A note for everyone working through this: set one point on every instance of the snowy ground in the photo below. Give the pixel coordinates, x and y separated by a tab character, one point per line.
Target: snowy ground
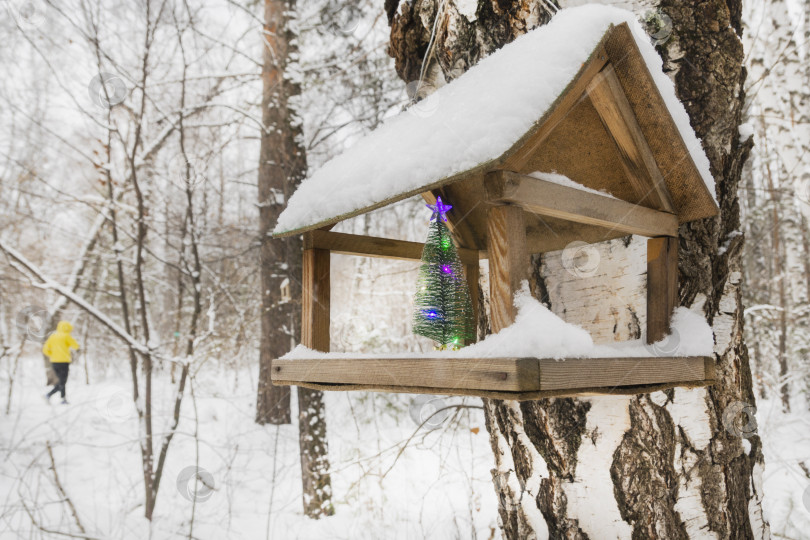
786	445
438	487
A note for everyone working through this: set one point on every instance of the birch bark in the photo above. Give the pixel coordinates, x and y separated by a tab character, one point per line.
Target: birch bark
670	464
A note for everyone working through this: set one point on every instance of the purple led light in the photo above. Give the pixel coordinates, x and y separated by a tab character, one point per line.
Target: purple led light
447	269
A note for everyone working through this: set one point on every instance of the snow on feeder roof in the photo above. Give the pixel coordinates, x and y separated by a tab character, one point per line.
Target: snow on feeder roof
583	96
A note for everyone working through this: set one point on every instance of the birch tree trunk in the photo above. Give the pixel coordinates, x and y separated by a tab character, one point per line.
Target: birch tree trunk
682	463
777	111
281	168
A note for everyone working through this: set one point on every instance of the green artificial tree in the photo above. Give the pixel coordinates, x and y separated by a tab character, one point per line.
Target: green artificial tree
443	310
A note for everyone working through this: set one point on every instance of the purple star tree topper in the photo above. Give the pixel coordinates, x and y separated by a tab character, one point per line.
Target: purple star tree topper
439	209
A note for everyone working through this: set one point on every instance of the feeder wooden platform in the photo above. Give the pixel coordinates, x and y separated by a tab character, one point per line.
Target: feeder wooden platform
500	378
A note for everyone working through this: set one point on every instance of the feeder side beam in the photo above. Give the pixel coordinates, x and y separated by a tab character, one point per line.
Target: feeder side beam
662	286
554	200
315	300
373	246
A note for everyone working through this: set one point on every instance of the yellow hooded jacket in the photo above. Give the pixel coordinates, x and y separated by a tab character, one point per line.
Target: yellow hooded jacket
58	345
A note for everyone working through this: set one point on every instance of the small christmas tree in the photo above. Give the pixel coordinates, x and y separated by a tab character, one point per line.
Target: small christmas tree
443	309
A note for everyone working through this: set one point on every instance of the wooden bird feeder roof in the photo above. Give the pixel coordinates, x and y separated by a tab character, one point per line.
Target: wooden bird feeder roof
610	129
615	130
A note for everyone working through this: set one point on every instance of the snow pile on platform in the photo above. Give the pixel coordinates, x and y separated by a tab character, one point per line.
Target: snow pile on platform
539	333
691	336
536	332
473	120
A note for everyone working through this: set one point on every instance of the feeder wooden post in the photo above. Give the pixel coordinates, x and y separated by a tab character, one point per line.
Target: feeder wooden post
662	285
472	274
317	482
508	255
315	300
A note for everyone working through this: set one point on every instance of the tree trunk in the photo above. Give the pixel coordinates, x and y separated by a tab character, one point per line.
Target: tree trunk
670	464
779	77
780	277
755	270
282	166
315	477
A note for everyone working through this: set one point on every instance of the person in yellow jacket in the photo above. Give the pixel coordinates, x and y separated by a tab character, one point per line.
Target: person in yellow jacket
57	348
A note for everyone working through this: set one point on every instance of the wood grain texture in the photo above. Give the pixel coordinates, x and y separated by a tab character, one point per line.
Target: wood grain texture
617	115
559	110
595	163
689	193
553	200
508	262
609	372
507	374
662	286
484	376
373	246
528	395
315	300
709	367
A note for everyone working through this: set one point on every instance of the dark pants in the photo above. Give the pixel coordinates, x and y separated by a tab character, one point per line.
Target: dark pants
61	370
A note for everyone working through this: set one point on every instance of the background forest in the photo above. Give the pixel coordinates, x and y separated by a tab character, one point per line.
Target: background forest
133	203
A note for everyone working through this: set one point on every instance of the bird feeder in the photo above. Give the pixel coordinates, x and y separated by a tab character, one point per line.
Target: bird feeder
611	130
